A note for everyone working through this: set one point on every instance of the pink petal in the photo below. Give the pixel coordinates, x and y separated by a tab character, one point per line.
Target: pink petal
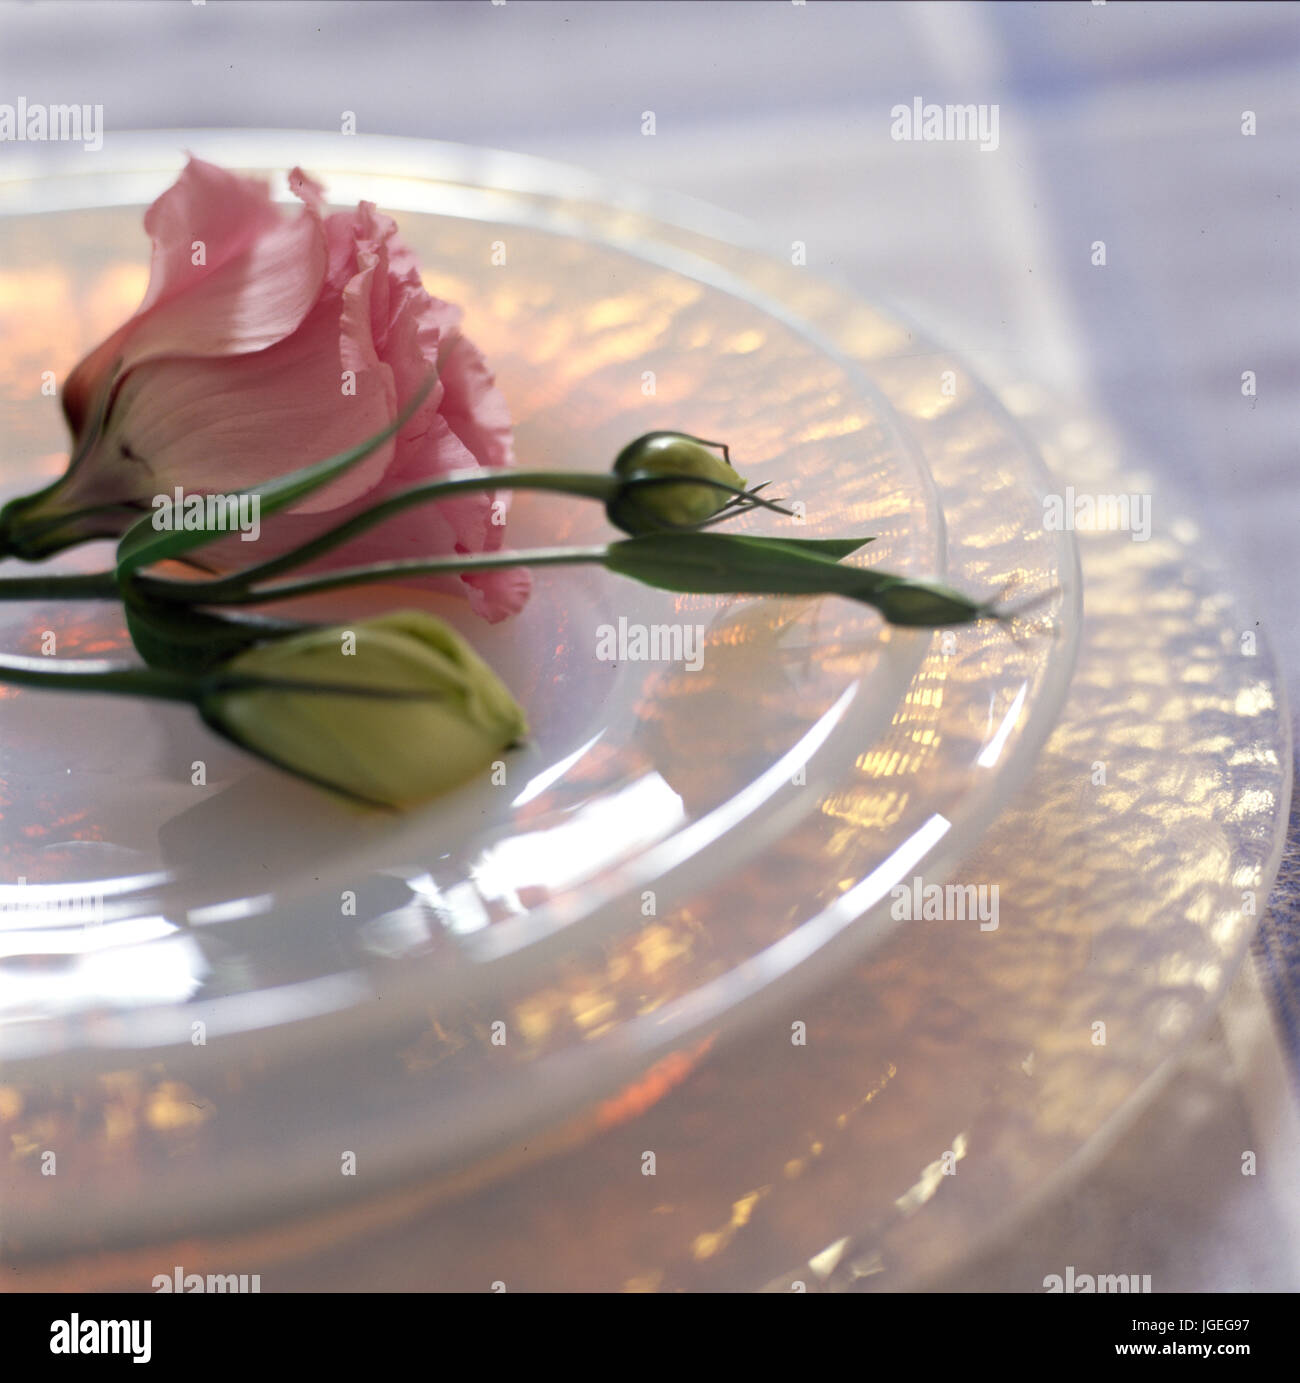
308	190
219	425
475	409
429	530
496	595
261	277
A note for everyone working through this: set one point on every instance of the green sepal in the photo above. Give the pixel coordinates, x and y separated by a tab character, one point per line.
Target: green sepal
184	639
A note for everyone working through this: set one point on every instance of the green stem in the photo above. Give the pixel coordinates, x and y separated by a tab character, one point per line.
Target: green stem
93	675
159	588
95	585
222	590
226	590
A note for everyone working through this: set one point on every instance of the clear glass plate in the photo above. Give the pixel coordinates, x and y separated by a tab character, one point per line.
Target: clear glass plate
674	852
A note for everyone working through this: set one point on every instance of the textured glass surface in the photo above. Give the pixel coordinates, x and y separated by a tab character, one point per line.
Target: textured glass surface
1125	903
770	800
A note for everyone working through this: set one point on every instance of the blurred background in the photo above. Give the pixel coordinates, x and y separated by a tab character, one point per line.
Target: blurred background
1171	132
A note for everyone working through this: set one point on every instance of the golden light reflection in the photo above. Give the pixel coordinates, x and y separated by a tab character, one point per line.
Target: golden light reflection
744	342
932	1176
49	319
707	1244
35	309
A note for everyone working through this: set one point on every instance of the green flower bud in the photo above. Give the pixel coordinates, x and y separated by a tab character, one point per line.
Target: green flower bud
923	606
654	508
408	713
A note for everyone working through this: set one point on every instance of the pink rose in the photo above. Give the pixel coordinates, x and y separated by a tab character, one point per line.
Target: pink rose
234	368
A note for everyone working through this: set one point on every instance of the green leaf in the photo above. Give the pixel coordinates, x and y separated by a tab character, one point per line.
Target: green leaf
722	563
142	544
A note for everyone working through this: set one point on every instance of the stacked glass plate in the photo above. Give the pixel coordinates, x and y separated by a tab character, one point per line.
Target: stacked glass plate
866	937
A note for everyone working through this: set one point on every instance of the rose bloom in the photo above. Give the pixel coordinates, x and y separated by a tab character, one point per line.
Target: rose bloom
292	338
